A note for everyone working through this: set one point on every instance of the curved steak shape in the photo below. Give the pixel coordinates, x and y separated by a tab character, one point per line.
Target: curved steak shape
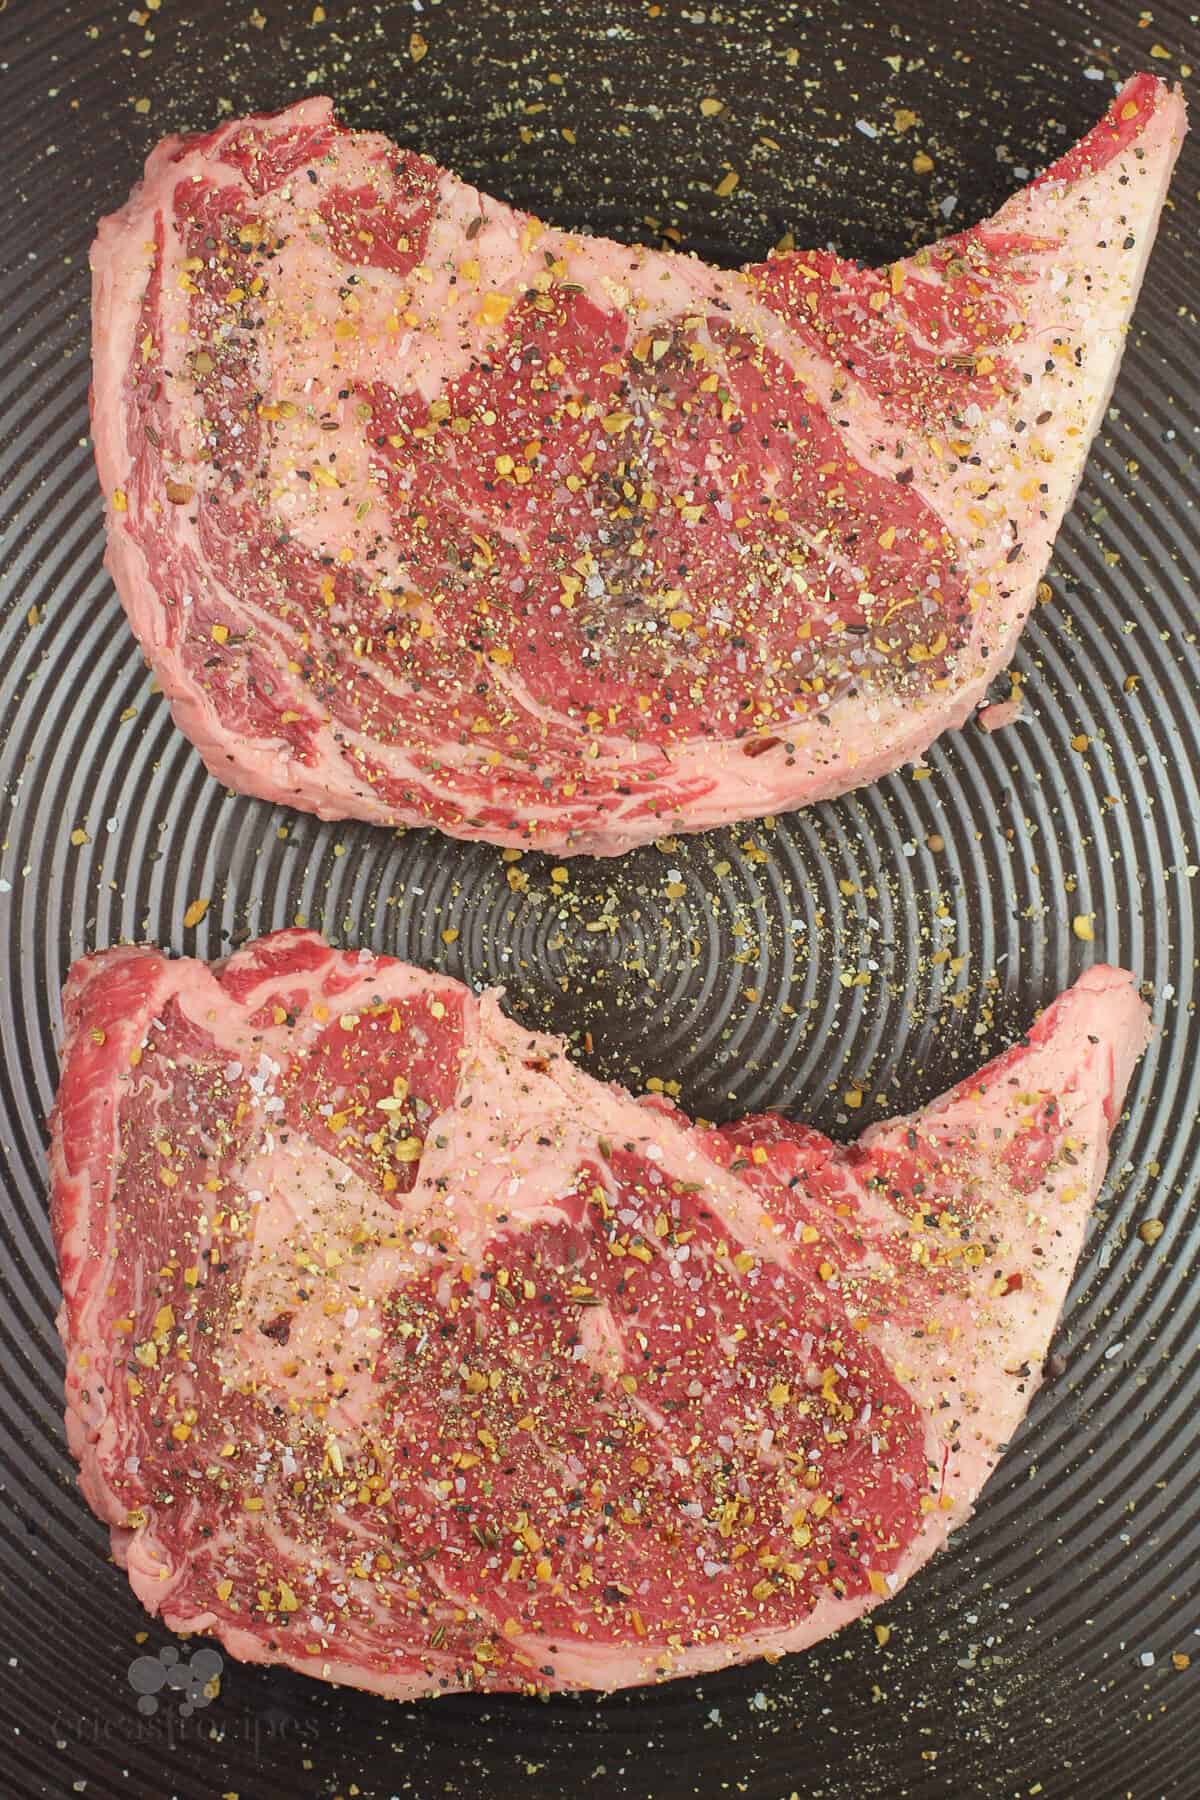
401	1351
427	513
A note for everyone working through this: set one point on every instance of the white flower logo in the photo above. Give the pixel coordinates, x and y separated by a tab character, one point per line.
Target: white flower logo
197	1680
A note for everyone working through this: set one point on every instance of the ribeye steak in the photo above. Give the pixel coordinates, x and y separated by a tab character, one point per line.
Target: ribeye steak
427	513
401	1351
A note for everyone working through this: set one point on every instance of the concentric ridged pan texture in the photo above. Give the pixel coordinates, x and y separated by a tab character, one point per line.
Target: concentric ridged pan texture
842	963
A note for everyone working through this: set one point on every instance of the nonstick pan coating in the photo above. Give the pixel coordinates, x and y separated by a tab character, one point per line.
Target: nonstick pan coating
878	946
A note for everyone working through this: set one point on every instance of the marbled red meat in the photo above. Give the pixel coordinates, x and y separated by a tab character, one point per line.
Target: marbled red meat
428	513
401	1351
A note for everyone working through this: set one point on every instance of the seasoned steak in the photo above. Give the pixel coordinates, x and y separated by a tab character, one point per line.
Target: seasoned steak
401	1351
428	513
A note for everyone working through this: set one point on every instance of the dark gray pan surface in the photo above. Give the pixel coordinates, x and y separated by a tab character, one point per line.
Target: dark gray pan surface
1023	1656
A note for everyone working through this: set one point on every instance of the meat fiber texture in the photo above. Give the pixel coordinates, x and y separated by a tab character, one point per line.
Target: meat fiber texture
401	1351
428	513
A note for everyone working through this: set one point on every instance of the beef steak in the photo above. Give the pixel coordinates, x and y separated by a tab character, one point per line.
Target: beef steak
402	1352
425	512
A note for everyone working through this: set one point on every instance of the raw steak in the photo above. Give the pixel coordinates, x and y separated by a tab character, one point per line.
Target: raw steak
427	513
401	1351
